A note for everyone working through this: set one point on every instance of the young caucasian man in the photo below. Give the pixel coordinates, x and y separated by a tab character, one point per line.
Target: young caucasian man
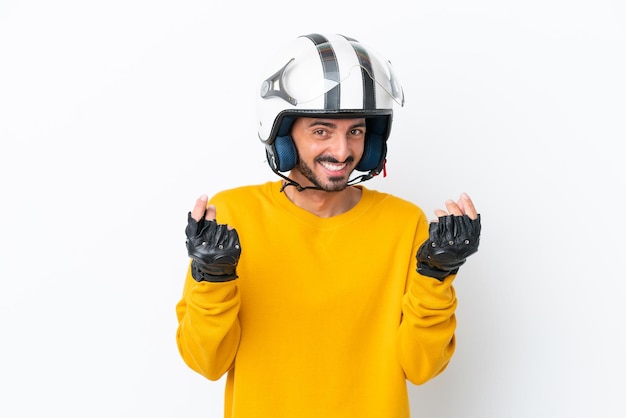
315	295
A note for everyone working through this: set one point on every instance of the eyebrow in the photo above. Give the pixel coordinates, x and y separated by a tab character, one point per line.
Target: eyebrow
316	122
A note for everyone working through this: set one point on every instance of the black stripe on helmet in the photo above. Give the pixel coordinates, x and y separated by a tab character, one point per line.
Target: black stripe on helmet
367	75
331	70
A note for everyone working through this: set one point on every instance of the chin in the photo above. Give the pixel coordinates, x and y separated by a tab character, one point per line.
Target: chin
336	185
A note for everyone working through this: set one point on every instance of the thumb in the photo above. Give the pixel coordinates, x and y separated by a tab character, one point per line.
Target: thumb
200	208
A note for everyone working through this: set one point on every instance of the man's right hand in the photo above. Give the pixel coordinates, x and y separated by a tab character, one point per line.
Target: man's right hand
214	248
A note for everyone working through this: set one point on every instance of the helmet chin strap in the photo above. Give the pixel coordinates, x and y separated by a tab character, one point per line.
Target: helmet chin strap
290	182
300	188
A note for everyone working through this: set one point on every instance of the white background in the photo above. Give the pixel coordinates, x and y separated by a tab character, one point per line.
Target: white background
116	115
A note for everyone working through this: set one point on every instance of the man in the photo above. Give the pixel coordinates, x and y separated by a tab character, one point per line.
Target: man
317	296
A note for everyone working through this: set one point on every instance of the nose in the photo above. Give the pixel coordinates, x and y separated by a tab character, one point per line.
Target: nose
340	147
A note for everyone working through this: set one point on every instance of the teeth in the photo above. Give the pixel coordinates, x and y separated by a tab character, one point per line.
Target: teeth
332	167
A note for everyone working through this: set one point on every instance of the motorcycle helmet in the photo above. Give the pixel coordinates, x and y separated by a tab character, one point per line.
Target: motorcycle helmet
321	75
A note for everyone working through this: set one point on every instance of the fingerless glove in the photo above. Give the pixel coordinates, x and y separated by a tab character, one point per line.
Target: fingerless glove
451	240
214	250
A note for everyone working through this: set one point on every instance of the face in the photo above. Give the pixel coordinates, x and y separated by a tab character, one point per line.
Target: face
328	150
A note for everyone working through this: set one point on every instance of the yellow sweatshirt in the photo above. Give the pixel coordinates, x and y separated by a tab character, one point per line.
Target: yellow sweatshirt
328	317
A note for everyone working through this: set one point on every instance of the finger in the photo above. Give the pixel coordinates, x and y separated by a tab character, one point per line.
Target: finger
439	213
453	208
199	208
468	206
460	204
211	212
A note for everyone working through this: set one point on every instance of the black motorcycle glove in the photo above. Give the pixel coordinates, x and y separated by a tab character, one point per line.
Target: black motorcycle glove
450	242
214	250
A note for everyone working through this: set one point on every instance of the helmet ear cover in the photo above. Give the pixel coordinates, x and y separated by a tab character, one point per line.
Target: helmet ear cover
283	155
375	146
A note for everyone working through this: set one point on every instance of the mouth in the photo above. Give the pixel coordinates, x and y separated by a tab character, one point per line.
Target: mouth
335	168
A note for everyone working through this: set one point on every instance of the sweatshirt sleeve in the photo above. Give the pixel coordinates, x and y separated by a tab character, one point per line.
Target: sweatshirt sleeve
426	337
208	326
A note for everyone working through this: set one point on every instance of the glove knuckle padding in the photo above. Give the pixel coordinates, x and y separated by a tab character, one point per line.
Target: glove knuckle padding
450	242
214	249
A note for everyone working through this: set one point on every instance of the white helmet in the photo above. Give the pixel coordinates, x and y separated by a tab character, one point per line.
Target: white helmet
329	76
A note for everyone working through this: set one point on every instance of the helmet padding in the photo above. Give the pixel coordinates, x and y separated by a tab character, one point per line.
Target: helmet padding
283	155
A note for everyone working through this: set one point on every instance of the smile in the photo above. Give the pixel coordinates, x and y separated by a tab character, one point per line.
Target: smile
333	167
